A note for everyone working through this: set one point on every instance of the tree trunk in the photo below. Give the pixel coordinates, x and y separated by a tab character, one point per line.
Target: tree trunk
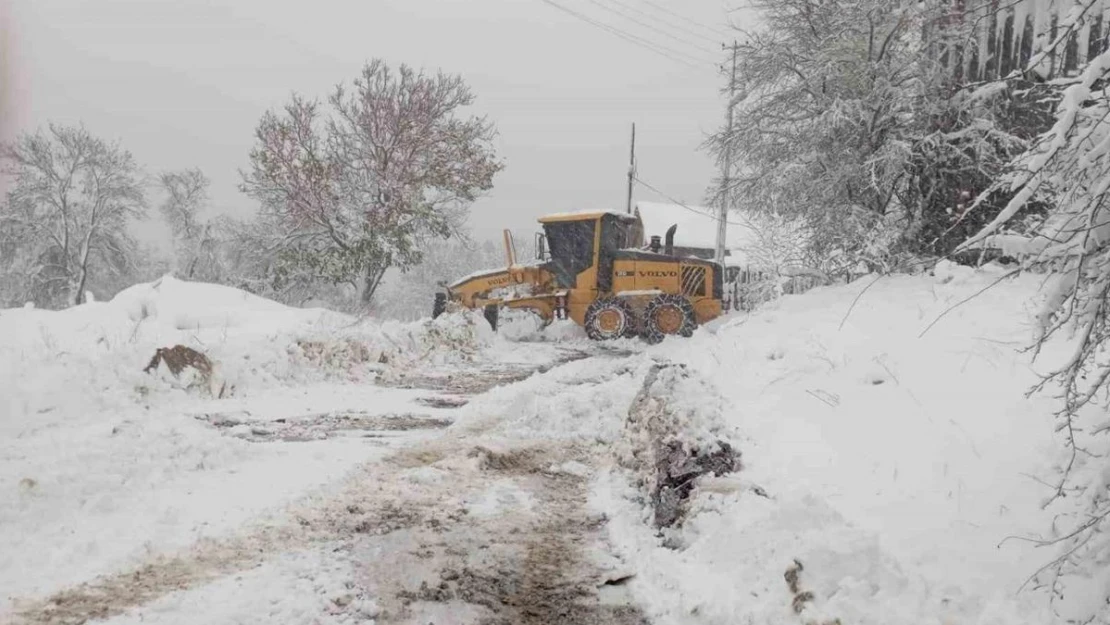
372	280
78	296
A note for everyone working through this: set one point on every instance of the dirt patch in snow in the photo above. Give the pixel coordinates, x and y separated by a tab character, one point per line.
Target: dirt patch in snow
518	566
515	461
523	565
110	596
475	380
321	426
442	402
361	509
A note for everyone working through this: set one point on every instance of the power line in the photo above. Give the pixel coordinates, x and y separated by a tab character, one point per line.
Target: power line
684	18
683	205
643	43
671	24
649	26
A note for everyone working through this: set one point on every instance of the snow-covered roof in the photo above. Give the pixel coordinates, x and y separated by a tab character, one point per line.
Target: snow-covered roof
697	226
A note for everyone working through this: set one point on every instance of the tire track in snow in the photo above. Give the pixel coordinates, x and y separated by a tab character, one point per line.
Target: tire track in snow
528	565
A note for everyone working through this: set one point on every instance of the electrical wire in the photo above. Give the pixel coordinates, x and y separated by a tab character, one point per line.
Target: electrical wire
674	25
683	205
684	18
643	43
649	26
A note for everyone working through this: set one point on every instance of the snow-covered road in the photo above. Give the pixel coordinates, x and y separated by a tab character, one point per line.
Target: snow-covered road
404	519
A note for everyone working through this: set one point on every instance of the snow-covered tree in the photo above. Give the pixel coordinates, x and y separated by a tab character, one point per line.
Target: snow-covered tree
848	116
65	219
776	243
196	241
408	294
363	187
1069	167
249	255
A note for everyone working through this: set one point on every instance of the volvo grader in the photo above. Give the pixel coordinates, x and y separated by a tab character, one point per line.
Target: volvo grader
597	269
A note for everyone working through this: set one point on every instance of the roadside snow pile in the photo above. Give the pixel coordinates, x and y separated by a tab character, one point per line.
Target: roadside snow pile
585	400
670	441
894	466
93	355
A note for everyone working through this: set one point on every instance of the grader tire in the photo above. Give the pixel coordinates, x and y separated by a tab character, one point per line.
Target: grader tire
609	318
439	306
491	313
667	315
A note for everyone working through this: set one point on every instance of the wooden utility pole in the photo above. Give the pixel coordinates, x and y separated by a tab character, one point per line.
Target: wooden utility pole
726	165
631	170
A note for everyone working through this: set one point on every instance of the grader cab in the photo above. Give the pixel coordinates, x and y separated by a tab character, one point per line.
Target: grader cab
596	269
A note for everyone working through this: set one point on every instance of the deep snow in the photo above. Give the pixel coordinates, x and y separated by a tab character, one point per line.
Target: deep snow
893	466
103	466
898	467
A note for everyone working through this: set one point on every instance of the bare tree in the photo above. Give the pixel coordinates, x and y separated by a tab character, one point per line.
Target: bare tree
362	189
69	207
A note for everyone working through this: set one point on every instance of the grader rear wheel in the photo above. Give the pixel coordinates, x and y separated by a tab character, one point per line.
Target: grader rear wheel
667	315
609	318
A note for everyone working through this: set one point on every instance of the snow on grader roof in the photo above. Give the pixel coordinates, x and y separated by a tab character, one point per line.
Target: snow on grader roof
583	214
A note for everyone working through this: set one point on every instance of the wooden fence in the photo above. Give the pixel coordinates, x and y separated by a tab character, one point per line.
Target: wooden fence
749	288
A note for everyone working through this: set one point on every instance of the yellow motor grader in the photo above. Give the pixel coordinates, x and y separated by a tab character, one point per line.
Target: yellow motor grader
595	268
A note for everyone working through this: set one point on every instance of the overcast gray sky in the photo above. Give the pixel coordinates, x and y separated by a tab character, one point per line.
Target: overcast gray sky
182	83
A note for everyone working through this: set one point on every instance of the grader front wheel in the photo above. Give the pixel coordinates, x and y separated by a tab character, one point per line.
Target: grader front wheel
609	318
439	306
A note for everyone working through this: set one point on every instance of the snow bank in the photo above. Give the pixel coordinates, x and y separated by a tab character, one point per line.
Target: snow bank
671	440
893	466
92	356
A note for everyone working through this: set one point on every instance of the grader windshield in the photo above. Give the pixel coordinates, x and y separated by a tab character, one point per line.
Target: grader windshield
572	246
572	249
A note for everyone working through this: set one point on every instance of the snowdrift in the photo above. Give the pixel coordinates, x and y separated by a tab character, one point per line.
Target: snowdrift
92	356
896	465
103	465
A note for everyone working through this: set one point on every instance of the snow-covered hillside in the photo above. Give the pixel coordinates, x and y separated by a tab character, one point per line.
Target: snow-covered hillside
898	465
